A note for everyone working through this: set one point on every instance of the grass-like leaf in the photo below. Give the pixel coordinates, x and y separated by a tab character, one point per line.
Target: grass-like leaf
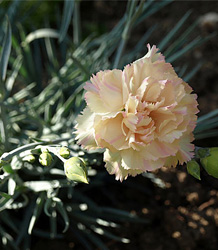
36	212
5	53
67	15
162	45
40	33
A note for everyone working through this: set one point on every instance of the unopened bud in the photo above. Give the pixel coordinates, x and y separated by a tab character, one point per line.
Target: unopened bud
76	170
29	158
64	152
210	163
45	159
193	169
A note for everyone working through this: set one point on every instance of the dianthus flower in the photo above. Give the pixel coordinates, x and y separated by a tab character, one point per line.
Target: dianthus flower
143	116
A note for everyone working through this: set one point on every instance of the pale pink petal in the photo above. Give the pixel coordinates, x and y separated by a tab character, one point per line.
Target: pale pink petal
113	166
130	121
141	90
111	131
95	103
111	90
137	160
131	105
153	91
85	129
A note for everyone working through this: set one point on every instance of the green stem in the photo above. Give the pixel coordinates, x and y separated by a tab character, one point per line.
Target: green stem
119	52
3	127
76	24
9	155
132	16
82	67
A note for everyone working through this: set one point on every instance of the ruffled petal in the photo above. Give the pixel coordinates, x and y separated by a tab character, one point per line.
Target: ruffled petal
138	161
113	166
111	90
95	103
111	131
85	129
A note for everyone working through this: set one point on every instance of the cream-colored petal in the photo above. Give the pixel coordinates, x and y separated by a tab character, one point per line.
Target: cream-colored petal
131	105
97	79
185	152
142	88
95	103
111	90
153	55
153	91
113	166
111	131
85	133
130	120
136	160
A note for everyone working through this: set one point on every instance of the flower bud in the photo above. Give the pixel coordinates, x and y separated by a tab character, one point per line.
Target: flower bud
64	152
193	169
29	158
45	159
76	170
210	163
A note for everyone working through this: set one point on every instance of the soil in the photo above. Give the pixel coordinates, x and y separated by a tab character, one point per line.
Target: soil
180	213
184	214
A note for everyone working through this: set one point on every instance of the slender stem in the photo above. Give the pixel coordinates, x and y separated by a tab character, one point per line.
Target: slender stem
3	128
82	67
3	121
119	52
9	155
76	23
55	152
132	15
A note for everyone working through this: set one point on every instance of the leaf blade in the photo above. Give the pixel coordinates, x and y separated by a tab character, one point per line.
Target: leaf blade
67	14
6	50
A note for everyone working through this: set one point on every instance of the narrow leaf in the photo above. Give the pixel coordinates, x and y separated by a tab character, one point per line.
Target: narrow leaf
10	81
36	212
172	33
6	49
40	33
67	14
208	116
62	211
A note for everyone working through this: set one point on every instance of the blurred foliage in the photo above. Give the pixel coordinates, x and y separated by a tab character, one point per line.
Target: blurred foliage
43	71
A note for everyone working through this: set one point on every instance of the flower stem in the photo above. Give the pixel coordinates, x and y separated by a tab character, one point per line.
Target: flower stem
76	24
133	13
3	128
9	155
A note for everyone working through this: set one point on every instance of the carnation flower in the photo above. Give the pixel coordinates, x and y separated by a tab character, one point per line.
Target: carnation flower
142	116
